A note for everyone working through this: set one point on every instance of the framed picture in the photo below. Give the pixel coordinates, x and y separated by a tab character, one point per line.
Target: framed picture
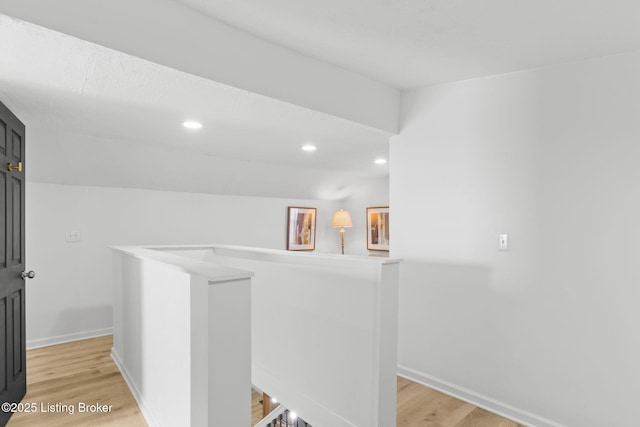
301	229
378	228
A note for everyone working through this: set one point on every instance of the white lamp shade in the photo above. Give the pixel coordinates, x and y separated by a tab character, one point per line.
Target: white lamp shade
341	219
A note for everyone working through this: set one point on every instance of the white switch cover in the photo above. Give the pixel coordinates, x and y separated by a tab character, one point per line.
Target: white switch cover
72	236
503	242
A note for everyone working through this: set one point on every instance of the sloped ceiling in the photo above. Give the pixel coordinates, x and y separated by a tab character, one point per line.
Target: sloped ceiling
338	66
96	116
410	43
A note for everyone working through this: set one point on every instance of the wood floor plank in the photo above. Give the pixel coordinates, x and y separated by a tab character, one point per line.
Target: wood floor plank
256	407
421	406
68	374
481	418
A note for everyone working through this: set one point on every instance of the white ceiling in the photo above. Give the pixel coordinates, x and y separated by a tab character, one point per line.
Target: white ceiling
409	43
67	90
72	92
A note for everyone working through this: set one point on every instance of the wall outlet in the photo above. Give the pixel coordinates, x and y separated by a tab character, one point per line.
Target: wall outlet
72	236
503	242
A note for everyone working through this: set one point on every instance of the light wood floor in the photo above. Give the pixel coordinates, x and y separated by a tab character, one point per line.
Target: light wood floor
83	371
420	406
80	371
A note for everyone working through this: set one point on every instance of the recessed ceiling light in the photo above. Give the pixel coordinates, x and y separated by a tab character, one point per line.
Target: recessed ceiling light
309	147
192	125
380	161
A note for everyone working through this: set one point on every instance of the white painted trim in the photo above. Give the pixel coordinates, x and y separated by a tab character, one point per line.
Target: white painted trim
271	416
215	273
61	339
273	255
497	407
144	408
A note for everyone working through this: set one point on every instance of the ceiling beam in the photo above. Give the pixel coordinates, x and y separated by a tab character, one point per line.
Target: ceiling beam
171	34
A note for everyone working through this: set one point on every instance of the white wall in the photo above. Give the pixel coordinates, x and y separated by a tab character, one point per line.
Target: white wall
369	193
205	312
71	296
324	331
549	329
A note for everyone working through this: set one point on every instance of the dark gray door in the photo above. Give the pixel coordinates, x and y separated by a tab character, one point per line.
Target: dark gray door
13	384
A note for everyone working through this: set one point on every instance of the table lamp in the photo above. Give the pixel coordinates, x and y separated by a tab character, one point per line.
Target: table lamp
341	219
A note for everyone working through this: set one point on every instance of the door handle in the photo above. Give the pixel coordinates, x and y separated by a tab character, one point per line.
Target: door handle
17	167
28	274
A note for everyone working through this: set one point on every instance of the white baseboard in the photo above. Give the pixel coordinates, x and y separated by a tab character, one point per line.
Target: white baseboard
518	415
144	408
61	339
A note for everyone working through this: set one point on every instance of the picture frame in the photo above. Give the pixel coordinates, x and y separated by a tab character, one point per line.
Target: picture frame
378	228
301	228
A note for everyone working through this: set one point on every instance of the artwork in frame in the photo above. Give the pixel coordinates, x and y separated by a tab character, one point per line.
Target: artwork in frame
301	229
378	228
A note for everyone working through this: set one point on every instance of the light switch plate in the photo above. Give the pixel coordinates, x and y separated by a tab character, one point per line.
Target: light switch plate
503	242
72	236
